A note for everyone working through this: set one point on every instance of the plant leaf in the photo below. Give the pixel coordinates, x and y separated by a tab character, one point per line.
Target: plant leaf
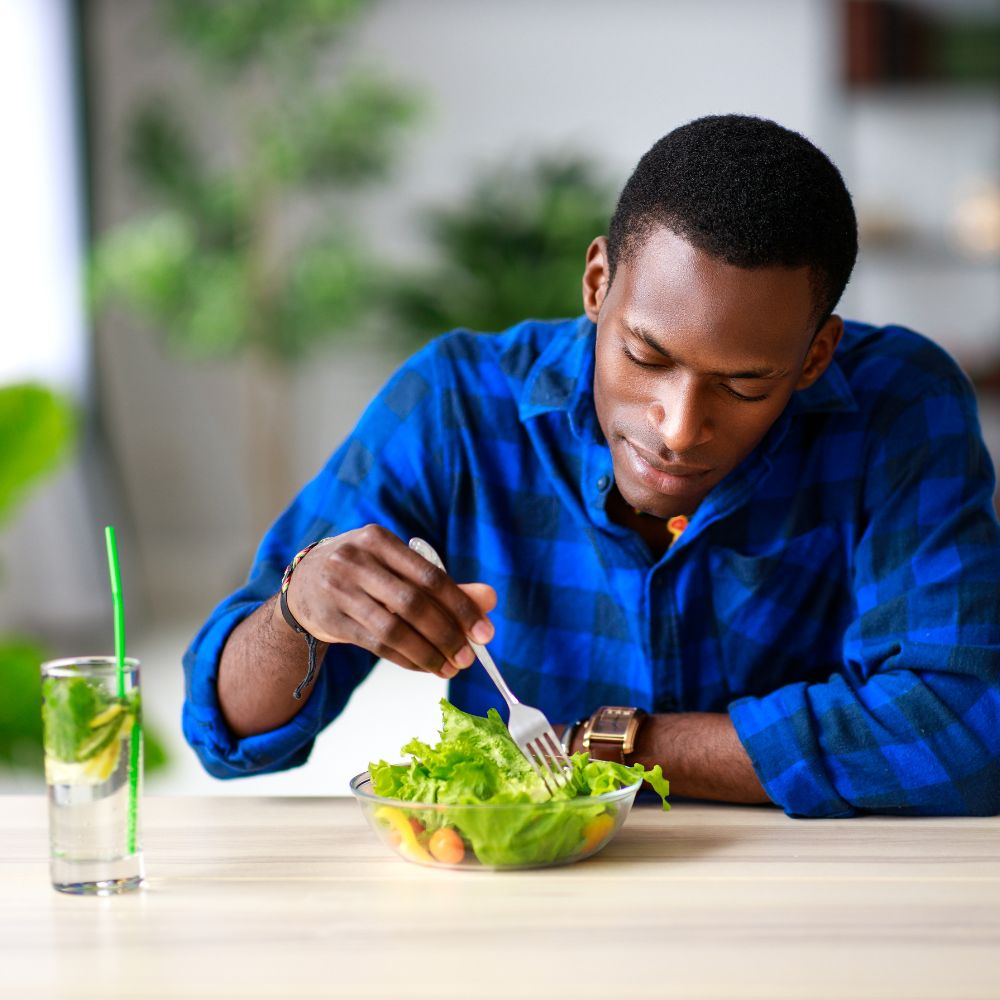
232	33
348	137
146	264
36	429
327	291
514	247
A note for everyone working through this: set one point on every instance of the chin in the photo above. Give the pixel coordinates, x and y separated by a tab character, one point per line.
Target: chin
641	498
664	499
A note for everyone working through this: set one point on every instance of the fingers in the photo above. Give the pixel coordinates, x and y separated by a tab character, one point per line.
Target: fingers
368	588
482	593
415	621
465	611
368	624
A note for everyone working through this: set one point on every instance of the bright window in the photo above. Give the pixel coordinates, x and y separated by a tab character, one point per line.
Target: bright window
42	330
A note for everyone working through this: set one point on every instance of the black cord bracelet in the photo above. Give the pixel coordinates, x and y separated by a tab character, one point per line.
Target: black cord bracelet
286	613
310	642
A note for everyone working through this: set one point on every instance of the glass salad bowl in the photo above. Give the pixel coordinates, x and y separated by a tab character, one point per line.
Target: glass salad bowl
495	836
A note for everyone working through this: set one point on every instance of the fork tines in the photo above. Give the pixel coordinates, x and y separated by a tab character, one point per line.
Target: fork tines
547	758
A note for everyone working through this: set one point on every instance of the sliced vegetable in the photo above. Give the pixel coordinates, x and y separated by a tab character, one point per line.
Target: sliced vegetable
107	715
596	831
400	824
447	846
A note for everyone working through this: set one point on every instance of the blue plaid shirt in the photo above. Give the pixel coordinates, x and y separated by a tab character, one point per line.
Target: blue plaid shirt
838	594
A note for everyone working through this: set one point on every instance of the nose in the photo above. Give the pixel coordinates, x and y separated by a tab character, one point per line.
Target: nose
680	418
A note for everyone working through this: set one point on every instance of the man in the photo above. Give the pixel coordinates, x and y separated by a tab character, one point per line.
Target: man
824	632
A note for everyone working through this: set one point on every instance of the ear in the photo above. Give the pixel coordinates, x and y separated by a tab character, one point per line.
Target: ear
595	278
820	352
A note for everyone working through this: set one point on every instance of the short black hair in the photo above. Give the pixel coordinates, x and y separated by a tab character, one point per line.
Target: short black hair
746	191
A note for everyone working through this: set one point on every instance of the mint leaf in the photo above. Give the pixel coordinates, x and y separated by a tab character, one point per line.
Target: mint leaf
69	706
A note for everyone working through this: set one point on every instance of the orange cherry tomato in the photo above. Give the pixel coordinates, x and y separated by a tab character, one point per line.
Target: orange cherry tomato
596	831
446	846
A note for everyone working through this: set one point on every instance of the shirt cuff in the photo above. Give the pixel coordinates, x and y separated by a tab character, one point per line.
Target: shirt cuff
779	734
221	753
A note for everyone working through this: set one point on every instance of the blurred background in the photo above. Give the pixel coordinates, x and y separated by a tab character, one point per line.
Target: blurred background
227	221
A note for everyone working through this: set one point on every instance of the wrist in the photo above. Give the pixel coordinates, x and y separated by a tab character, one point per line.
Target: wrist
289	605
647	750
293	622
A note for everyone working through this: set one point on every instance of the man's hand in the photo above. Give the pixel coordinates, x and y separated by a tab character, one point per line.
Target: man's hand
368	588
364	587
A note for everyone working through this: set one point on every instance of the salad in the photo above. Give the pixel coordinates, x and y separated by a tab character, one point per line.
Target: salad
476	763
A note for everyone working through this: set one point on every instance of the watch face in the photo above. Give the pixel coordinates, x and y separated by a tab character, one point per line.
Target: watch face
614	727
614	721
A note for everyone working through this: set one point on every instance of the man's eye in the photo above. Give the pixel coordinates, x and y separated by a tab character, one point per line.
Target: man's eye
741	397
653	364
642	364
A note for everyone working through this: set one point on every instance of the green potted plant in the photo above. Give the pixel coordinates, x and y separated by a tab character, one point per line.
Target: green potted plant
252	254
512	248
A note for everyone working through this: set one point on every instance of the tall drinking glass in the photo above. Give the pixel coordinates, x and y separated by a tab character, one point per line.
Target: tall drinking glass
91	723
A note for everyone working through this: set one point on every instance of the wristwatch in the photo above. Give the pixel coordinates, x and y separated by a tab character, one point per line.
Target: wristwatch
610	733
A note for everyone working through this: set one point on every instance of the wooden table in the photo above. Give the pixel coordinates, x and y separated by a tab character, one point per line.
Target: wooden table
251	897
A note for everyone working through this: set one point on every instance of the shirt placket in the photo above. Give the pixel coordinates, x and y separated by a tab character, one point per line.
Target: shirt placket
626	560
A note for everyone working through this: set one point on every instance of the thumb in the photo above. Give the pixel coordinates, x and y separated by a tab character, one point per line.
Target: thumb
482	593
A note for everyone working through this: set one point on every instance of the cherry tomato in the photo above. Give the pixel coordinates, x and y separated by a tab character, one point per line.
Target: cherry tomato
417	827
446	846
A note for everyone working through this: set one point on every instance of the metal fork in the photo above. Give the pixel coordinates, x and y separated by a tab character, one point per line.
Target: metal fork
528	727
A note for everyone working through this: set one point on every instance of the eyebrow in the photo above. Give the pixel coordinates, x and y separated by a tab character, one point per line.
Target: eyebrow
761	372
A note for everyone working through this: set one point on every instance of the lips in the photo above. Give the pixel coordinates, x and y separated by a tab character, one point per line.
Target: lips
670	478
670	468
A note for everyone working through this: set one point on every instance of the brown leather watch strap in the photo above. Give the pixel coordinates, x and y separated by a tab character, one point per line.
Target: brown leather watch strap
610	733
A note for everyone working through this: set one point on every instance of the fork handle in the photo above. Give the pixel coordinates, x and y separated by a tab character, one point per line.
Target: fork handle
491	668
426	550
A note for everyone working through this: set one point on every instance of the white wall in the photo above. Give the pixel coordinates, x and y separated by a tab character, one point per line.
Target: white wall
506	79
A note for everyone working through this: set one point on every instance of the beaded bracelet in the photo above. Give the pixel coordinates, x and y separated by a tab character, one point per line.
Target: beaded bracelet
286	613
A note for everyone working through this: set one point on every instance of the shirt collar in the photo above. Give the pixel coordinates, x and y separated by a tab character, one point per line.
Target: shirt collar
830	393
562	378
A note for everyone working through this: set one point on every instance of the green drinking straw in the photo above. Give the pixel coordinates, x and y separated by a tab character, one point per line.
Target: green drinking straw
116	599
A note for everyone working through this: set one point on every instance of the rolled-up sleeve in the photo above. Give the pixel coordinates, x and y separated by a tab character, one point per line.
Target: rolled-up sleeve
392	471
911	723
222	754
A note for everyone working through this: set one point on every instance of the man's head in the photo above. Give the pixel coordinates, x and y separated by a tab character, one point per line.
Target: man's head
713	295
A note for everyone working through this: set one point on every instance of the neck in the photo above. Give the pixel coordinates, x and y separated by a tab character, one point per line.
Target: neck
652	528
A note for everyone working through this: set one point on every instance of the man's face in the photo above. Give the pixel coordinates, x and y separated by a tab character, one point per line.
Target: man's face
696	359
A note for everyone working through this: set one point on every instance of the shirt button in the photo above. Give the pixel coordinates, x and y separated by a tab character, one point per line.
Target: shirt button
603	483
